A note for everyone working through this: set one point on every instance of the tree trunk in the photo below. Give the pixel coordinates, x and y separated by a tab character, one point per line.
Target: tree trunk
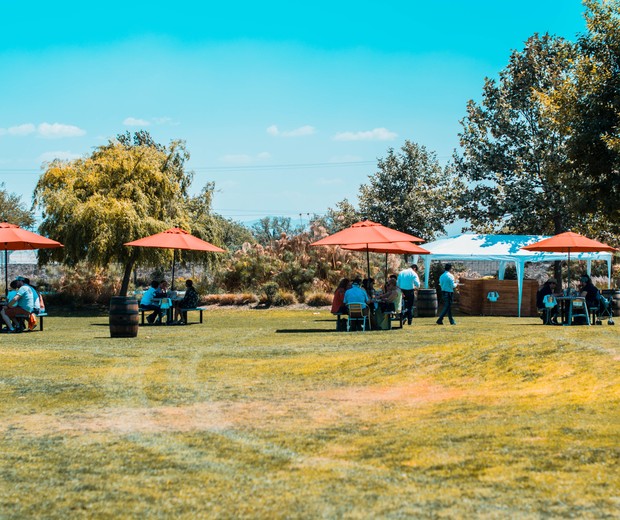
127	274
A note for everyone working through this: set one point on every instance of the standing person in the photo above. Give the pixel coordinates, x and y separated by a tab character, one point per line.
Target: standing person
21	303
189	301
147	303
408	280
446	283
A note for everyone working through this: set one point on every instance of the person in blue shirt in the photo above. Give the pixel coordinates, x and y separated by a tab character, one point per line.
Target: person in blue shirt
447	284
407	282
21	303
147	303
357	295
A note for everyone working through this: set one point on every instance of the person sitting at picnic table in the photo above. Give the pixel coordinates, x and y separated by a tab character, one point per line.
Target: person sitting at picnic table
589	291
22	303
147	303
355	294
368	284
387	303
162	290
38	305
549	315
338	306
189	301
11	294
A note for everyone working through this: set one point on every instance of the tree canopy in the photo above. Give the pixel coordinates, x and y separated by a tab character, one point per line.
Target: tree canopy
129	188
513	156
587	107
410	192
13	210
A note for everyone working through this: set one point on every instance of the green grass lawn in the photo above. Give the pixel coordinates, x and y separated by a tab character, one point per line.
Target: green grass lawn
273	414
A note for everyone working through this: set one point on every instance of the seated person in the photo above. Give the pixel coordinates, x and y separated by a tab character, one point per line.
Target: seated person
38	301
189	301
355	294
589	291
22	303
338	305
368	284
11	294
548	315
387	303
147	303
162	290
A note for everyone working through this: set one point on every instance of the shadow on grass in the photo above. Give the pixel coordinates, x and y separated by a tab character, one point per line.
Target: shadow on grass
303	331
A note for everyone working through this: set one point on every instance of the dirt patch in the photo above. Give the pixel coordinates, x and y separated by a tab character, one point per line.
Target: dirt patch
307	411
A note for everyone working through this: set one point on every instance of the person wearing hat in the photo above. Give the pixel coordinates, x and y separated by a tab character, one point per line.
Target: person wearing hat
21	303
407	282
549	314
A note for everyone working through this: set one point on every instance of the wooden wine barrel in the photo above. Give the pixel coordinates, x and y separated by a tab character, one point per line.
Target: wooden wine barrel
614	294
426	303
124	317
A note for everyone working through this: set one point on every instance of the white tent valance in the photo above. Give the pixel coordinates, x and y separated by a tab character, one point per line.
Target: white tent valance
501	248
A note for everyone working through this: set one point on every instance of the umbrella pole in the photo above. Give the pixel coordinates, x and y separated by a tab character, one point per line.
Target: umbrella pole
6	272
568	274
385	268
174	257
368	260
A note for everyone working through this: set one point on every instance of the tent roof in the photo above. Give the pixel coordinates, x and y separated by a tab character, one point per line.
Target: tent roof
467	246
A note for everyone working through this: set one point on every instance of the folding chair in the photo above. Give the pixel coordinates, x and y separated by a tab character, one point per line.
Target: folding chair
604	310
550	303
356	315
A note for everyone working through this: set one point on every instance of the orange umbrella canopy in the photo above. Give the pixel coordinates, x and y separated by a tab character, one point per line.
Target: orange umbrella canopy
397	248
366	232
569	242
176	238
14	238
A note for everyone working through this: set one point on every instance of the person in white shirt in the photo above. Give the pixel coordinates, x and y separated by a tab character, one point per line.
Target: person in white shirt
407	282
447	284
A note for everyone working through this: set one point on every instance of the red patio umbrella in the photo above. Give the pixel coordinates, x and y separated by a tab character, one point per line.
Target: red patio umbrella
14	238
175	238
396	248
364	234
569	242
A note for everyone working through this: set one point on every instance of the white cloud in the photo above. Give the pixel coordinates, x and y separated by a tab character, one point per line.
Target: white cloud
62	155
377	134
134	121
58	130
297	132
263	156
19	130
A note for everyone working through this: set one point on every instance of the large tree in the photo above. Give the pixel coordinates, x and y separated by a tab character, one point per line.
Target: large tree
410	192
587	107
513	156
129	188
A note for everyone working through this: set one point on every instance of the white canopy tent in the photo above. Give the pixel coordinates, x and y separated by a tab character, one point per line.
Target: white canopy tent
503	249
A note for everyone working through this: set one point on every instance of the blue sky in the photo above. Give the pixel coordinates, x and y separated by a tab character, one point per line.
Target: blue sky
286	106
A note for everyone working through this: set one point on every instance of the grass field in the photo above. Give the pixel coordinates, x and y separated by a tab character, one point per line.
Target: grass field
273	414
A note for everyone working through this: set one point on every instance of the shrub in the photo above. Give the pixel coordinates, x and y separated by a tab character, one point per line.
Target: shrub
319	299
284	298
270	290
246	299
230	299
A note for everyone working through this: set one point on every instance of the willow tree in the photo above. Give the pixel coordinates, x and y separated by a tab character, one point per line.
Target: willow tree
129	188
